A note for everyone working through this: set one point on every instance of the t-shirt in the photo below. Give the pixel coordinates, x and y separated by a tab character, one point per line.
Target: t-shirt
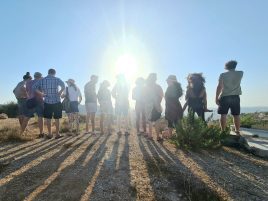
231	83
90	93
30	91
104	94
138	94
73	94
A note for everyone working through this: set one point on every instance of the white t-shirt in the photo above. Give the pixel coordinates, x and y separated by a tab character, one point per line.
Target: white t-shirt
73	94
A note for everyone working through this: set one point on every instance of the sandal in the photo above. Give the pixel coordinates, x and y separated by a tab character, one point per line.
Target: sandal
49	136
159	139
58	136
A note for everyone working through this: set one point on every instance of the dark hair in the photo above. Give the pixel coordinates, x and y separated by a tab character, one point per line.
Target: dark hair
198	83
73	85
51	71
151	79
27	76
230	65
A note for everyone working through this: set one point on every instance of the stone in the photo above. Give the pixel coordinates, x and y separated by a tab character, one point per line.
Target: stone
3	116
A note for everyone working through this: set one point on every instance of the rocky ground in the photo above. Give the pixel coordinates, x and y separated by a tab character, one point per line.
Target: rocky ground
126	167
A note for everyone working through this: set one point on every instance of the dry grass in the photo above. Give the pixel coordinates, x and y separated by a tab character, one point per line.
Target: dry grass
12	133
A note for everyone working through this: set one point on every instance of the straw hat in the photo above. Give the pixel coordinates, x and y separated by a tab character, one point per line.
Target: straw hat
172	78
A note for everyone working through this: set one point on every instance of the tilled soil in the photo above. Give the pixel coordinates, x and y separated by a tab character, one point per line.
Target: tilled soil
126	167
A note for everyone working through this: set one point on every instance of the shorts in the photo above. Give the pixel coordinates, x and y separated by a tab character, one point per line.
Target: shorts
38	110
106	107
22	107
73	107
229	102
53	110
91	107
121	109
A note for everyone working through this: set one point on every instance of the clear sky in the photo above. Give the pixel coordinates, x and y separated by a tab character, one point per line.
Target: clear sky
82	37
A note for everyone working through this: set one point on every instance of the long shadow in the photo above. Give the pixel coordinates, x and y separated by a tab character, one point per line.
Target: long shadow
26	182
8	145
228	173
75	178
162	164
21	152
114	183
18	163
23	147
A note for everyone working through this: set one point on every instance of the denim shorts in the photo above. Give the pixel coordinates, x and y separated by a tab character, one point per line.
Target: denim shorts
73	107
38	110
229	102
22	108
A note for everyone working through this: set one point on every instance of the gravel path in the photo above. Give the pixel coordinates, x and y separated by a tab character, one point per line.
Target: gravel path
126	167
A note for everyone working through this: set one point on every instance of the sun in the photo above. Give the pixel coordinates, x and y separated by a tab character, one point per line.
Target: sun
127	65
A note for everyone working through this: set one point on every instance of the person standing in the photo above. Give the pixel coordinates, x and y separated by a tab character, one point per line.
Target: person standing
154	95
228	95
138	95
91	102
75	98
196	96
37	105
120	93
173	112
48	87
21	96
106	106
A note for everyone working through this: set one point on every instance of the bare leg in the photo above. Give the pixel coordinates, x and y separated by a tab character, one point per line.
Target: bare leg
138	121
101	123
150	134
92	117
21	119
41	124
87	122
57	124
76	120
48	121
24	124
170	132
236	119
119	123
109	123
223	122
144	121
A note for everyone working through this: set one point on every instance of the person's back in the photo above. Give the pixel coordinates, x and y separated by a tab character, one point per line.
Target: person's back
231	83
90	92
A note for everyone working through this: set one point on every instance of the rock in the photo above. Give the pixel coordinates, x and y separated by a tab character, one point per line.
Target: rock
3	116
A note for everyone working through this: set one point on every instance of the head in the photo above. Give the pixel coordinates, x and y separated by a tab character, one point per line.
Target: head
94	79
152	78
37	75
231	65
27	76
140	81
52	72
171	80
196	82
70	82
105	84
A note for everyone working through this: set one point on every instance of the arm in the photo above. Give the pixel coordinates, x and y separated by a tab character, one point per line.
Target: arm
62	86
219	90
36	87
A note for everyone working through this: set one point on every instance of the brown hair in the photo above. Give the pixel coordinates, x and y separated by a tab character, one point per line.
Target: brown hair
230	65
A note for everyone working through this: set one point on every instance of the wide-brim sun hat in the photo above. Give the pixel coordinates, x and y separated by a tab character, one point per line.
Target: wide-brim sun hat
172	78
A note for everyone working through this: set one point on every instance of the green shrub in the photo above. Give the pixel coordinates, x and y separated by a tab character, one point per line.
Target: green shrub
193	133
11	109
247	120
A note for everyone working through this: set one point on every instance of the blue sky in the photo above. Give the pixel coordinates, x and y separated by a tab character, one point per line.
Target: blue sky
79	38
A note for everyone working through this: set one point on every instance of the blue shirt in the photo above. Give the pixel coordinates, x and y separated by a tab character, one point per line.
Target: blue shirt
50	87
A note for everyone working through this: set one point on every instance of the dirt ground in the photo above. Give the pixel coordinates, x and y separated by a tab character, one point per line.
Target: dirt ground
126	167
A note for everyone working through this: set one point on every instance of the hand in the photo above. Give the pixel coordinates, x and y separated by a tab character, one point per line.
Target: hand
207	110
217	101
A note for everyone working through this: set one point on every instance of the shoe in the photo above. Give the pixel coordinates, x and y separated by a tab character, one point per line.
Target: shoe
41	135
159	139
58	136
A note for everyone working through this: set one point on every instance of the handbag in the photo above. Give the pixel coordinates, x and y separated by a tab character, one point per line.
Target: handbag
66	105
31	103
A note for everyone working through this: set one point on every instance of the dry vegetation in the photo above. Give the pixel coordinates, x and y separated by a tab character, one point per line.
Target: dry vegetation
122	167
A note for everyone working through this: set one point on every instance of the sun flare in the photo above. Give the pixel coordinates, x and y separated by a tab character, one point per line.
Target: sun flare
127	65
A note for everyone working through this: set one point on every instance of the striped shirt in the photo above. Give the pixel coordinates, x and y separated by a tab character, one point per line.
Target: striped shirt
50	87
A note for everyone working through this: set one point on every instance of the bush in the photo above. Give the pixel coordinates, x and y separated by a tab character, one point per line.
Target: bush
11	109
193	133
247	120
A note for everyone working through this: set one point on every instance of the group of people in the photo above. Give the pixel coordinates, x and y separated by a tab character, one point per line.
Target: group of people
42	96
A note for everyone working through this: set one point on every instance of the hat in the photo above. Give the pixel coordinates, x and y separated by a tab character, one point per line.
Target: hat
37	74
71	81
172	78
